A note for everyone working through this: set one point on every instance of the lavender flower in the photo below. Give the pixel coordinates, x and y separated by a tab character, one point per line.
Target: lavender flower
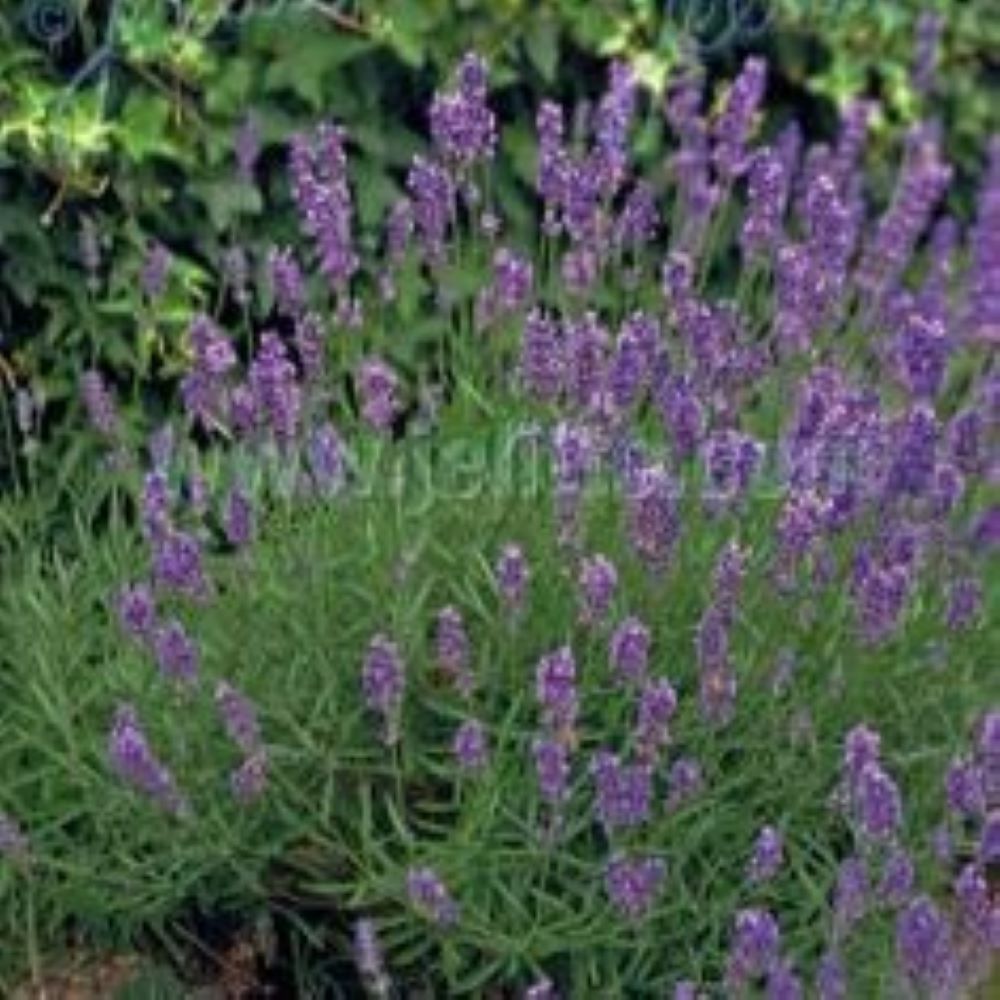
452	644
462	126
623	791
851	894
597	582
768	855
541	365
767	194
877	804
176	653
732	129
555	688
989	840
156	502
239	718
248	781
432	192
684	781
552	769
287	281
653	519
965	602
136	609
630	646
430	896
470	745
513	576
924	947
370	961
964	788
155	270
378	386
177	564
898	876
657	705
326	458
633	883
99	403
318	168
275	387
831	978
133	760
383	683
237	520
783	983
982	314
755	945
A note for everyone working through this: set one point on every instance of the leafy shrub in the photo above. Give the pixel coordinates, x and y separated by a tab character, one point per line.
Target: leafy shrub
599	613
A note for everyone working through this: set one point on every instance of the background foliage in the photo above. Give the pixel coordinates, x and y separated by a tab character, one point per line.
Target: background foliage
118	119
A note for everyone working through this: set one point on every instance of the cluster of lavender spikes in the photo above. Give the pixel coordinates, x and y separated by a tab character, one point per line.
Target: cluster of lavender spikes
873	452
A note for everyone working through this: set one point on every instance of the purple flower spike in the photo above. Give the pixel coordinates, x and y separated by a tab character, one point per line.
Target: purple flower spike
249	780
768	855
831	978
383	683
134	762
470	746
237	518
370	961
542	361
964	788
924	948
989	840
898	876
783	983
513	576
862	746
555	688
755	945
136	609
657	705
239	717
276	389
318	169
176	653
684	781
624	792
378	386
630	647
597	583
177	564
430	896
877	803
552	769
462	125
99	403
155	270
851	893
733	127
452	643
633	883
653	520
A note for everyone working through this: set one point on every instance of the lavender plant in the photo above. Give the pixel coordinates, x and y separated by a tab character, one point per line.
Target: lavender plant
505	542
